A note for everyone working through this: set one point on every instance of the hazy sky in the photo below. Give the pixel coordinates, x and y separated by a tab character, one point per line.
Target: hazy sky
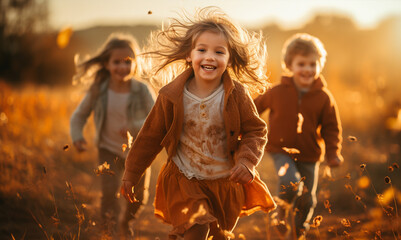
288	13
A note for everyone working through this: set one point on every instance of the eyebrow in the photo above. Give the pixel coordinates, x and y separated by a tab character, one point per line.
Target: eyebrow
205	45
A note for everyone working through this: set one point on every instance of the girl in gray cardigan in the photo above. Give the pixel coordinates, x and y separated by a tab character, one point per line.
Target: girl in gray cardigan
120	104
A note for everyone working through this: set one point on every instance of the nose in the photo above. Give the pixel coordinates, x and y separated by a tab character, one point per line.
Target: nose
209	56
309	68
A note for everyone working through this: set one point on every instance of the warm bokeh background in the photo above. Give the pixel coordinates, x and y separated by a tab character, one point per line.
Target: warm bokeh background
48	190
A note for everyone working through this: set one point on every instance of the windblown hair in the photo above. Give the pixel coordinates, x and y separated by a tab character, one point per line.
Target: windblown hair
168	49
302	44
93	71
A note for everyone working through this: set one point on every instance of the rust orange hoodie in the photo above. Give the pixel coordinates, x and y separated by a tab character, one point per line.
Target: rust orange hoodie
307	123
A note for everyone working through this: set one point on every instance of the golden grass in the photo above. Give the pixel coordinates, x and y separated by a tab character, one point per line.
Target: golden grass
49	191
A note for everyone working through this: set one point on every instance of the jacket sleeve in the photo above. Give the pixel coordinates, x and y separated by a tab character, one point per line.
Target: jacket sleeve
253	134
79	117
147	144
147	98
331	128
263	101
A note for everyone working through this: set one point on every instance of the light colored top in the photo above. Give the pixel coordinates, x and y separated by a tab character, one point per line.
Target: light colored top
116	120
202	149
138	106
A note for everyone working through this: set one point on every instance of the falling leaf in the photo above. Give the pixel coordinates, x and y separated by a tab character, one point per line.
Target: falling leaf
390	168
185	210
363	182
291	150
348	186
104	169
300	123
294	185
66	147
283	170
358	198
317	220
362	166
395	165
327	205
124	147
241	236
352	139
387	179
345	222
63	37
149	12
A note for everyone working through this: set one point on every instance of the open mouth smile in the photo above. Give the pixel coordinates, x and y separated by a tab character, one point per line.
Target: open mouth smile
208	67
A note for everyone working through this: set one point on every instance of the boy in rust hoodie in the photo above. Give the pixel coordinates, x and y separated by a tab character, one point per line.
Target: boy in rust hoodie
303	115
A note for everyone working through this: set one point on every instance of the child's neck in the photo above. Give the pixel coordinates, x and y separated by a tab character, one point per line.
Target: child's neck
202	89
120	86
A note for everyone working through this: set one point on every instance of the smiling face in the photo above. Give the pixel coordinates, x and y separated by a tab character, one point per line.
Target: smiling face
120	64
209	57
305	69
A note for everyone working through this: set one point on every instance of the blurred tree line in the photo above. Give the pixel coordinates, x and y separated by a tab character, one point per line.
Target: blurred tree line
358	59
20	23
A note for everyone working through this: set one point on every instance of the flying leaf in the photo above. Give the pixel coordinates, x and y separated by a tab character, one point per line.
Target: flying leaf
63	37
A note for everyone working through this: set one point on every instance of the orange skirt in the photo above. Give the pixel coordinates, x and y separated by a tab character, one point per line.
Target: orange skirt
184	202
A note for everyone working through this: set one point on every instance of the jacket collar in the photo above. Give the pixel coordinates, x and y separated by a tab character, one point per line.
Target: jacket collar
174	90
318	84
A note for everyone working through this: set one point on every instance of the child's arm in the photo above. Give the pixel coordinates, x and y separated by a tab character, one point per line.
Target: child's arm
253	137
145	147
264	101
78	120
332	132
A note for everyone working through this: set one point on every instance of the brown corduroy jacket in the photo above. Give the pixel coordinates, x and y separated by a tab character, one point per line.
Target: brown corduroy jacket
320	123
246	131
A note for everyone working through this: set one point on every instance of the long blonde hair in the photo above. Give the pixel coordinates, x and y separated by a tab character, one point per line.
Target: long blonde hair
93	71
167	49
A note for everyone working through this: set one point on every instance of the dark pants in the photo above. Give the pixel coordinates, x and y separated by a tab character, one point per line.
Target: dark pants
110	205
303	195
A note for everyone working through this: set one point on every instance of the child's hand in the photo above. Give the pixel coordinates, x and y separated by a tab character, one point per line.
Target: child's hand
334	162
80	145
127	190
240	174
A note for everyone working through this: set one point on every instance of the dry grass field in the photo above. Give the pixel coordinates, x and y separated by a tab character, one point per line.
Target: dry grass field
49	191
